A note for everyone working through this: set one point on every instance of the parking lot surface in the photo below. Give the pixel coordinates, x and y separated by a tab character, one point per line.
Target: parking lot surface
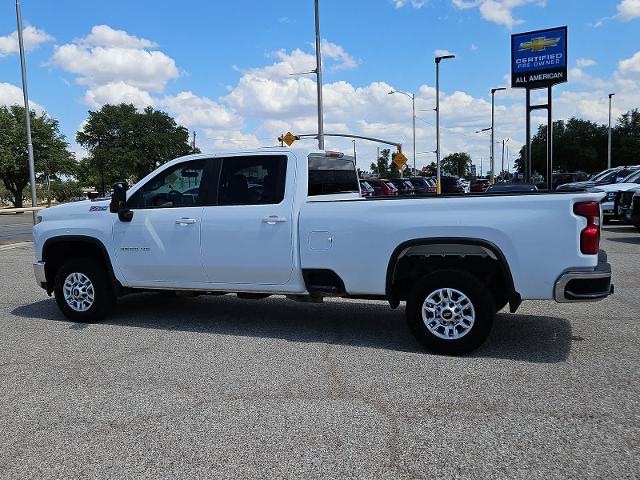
217	387
15	228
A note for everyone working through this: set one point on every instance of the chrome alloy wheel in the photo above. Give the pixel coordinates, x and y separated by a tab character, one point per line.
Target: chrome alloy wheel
448	313
78	292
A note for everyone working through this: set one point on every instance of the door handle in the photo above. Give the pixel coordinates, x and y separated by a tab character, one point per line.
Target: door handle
185	221
273	219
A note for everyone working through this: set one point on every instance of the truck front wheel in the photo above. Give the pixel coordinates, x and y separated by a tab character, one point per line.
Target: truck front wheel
450	312
82	290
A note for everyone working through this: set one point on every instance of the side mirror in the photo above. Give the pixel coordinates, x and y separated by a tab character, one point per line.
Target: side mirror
119	202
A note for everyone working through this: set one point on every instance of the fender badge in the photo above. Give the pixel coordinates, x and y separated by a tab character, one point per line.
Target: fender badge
98	208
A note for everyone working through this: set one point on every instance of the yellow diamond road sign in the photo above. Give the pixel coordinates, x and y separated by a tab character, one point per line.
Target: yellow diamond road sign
289	138
399	159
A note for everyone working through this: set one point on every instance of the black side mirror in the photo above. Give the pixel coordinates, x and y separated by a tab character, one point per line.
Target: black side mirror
119	202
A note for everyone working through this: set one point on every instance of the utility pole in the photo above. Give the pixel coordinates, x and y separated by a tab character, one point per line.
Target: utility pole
609	149
355	155
438	60
27	112
493	108
193	144
412	96
319	80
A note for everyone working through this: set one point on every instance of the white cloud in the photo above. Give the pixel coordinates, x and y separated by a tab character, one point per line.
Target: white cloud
107	56
32	37
413	3
105	36
12	95
497	11
117	92
441	52
628	9
194	111
585	62
337	53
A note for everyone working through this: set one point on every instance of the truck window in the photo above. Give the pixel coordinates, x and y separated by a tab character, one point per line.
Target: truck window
255	180
177	186
329	175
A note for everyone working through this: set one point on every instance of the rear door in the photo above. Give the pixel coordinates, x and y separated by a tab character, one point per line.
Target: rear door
247	237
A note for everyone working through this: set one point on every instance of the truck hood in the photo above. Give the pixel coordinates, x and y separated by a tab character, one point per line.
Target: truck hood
84	208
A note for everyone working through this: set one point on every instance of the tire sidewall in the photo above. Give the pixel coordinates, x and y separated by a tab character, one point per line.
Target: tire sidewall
479	295
103	294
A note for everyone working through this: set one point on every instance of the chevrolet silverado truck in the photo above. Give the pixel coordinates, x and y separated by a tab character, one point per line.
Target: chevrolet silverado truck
286	222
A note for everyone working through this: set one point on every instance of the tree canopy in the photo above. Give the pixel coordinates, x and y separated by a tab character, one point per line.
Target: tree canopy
50	150
458	164
383	167
125	144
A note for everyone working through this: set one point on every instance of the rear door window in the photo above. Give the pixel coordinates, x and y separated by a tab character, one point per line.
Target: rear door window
252	180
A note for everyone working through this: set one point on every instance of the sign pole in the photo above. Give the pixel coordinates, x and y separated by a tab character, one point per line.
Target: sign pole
27	112
527	164
549	140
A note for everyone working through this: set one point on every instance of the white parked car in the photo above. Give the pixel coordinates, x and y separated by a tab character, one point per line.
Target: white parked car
293	223
609	202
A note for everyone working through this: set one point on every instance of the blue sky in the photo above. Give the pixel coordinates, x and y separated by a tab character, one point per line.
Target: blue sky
222	68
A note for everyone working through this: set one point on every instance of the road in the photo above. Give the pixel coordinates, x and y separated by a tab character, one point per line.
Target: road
217	387
15	228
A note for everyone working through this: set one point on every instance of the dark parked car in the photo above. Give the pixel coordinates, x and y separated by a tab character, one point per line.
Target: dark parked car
608	177
382	187
635	210
404	186
478	185
565	178
511	188
450	185
366	190
423	185
624	204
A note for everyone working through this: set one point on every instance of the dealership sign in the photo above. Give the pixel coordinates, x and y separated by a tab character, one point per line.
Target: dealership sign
539	59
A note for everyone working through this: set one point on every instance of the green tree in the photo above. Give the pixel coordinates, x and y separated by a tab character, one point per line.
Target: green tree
125	144
50	150
625	143
458	164
429	170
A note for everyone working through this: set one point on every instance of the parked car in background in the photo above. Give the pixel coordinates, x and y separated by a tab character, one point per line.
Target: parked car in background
404	186
423	185
366	190
382	187
612	175
450	185
479	185
624	204
635	210
511	188
565	178
609	204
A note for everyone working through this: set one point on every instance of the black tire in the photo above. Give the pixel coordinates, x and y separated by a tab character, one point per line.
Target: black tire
479	296
103	296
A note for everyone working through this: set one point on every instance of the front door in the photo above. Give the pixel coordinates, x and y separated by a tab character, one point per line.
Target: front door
247	238
161	245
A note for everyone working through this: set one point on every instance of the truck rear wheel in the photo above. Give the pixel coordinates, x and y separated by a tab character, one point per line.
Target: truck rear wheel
82	290
450	312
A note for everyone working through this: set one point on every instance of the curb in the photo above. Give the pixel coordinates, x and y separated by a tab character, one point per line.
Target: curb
12	246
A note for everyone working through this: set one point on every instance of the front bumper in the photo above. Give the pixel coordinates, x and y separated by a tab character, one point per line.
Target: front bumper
41	278
585	286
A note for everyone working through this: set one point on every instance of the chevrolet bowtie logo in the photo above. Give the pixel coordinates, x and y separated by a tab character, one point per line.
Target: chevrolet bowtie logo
539	44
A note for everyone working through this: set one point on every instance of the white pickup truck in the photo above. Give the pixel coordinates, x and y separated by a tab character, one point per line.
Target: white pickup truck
285	222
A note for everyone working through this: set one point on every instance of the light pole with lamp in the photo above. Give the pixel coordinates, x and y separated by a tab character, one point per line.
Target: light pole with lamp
412	96
609	144
490	148
438	60
493	108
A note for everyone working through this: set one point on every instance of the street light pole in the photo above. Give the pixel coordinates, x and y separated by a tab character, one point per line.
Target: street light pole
438	60
27	112
319	80
493	108
609	145
412	96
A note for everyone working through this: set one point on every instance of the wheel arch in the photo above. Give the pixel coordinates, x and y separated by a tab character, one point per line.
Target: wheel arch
451	247
56	250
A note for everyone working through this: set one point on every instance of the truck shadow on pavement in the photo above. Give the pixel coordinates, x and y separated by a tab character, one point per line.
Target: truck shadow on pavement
528	338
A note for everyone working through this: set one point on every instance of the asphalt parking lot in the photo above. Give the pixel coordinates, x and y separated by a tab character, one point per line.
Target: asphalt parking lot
217	387
15	228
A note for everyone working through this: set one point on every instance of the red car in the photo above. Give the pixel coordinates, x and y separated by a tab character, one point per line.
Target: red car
382	187
479	185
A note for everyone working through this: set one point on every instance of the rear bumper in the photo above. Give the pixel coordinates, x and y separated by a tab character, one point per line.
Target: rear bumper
585	286
41	278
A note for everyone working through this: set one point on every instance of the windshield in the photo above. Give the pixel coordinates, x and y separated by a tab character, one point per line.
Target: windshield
603	175
633	178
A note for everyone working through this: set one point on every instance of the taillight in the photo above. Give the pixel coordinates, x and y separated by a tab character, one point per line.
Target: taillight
590	235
